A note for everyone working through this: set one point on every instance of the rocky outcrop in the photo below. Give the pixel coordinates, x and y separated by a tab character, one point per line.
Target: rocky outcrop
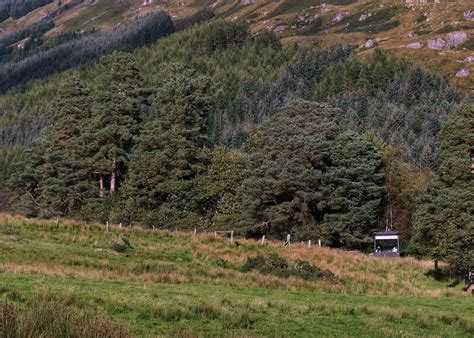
469	60
469	15
364	17
369	43
463	73
338	17
456	38
414	45
280	28
437	43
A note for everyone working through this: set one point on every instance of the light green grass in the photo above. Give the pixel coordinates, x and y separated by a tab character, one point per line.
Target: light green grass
174	284
152	309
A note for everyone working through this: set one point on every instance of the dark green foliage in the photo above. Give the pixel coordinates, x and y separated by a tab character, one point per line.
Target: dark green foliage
76	52
170	152
272	264
444	223
275	265
404	106
356	180
8	157
54	177
307	180
110	131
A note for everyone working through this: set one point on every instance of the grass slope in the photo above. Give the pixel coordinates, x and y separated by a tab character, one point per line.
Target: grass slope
177	284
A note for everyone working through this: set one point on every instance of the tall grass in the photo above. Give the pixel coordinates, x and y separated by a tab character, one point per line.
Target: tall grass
47	316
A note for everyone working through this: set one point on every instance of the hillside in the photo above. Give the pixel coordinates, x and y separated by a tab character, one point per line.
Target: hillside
437	36
177	284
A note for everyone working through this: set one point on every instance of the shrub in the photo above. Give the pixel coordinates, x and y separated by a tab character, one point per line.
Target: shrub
275	265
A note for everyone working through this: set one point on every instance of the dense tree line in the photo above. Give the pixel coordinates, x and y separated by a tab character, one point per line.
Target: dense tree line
17	8
34	30
127	36
228	135
256	77
35	41
108	157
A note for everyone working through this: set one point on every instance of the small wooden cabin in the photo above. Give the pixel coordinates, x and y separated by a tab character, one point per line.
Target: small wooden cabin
387	244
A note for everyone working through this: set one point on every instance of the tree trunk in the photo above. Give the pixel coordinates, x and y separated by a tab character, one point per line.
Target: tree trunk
113	178
101	186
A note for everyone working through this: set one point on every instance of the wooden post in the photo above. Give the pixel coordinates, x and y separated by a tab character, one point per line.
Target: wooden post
232	236
194	233
309	244
120	225
153	227
57	222
107	226
263	239
319	243
215	234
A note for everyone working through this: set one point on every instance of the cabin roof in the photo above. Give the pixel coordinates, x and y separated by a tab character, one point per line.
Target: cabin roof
387	233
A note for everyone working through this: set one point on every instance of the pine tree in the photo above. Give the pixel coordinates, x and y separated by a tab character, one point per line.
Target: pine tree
288	158
55	178
169	154
355	191
109	133
444	222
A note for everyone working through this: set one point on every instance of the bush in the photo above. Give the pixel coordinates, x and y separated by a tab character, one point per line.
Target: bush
275	265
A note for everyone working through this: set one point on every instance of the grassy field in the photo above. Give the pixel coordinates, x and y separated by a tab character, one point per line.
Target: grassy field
174	284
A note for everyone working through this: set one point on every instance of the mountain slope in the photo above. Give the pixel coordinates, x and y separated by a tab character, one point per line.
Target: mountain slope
435	35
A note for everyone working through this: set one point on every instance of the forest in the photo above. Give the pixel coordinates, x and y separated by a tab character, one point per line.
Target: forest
17	8
215	128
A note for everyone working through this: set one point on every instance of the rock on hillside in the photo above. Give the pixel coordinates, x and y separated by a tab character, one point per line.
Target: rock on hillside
425	28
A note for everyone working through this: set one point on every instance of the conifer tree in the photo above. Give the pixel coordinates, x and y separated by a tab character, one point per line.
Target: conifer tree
55	178
288	158
444	223
169	152
109	133
355	186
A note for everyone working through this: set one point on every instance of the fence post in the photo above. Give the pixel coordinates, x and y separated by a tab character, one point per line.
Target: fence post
309	244
263	239
194	233
107	226
215	234
288	240
120	225
232	236
319	243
